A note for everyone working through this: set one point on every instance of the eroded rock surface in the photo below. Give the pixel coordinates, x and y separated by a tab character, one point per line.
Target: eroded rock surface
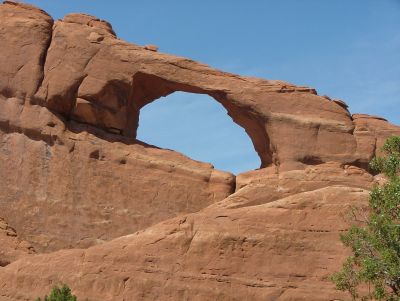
281	250
12	247
276	238
73	176
66	188
86	74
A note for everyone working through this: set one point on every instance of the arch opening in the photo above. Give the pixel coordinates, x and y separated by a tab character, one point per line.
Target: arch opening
199	127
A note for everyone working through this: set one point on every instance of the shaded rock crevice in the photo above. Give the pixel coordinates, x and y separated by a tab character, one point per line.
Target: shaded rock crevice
42	62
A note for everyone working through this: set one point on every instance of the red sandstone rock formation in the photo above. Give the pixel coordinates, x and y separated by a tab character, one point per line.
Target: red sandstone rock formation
74	176
66	188
12	247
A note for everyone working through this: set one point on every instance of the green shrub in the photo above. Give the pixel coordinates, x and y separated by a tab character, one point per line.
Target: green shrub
62	293
375	260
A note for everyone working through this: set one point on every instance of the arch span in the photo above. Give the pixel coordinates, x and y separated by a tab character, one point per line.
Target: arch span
147	88
97	79
197	126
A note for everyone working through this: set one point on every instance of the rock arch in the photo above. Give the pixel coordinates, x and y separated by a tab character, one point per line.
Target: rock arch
85	73
148	88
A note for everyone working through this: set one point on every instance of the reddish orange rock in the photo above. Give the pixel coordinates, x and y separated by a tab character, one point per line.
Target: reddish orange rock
371	133
64	187
151	47
275	114
281	250
341	103
11	247
132	221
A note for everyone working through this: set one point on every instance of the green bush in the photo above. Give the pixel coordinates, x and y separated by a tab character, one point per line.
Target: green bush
62	293
375	261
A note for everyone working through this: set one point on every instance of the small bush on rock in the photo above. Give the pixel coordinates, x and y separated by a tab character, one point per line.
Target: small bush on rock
375	262
62	293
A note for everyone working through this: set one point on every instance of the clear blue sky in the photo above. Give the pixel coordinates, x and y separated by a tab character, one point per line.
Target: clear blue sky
347	49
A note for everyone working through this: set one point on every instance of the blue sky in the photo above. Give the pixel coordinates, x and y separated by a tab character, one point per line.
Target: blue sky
345	49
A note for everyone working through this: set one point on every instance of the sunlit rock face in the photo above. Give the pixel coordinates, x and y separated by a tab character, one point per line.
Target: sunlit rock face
130	221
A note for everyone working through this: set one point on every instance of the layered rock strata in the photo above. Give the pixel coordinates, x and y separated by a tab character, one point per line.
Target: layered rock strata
143	223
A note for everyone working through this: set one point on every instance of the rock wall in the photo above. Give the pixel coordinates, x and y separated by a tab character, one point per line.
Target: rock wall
143	223
67	184
12	247
83	72
65	188
273	240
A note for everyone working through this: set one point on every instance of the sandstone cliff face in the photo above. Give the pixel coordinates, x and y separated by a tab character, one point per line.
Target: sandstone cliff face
66	188
74	176
12	247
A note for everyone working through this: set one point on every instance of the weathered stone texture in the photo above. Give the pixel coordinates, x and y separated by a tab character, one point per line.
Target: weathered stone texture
131	221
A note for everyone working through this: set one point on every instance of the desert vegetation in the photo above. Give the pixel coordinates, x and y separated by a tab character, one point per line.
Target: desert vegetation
373	269
59	293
